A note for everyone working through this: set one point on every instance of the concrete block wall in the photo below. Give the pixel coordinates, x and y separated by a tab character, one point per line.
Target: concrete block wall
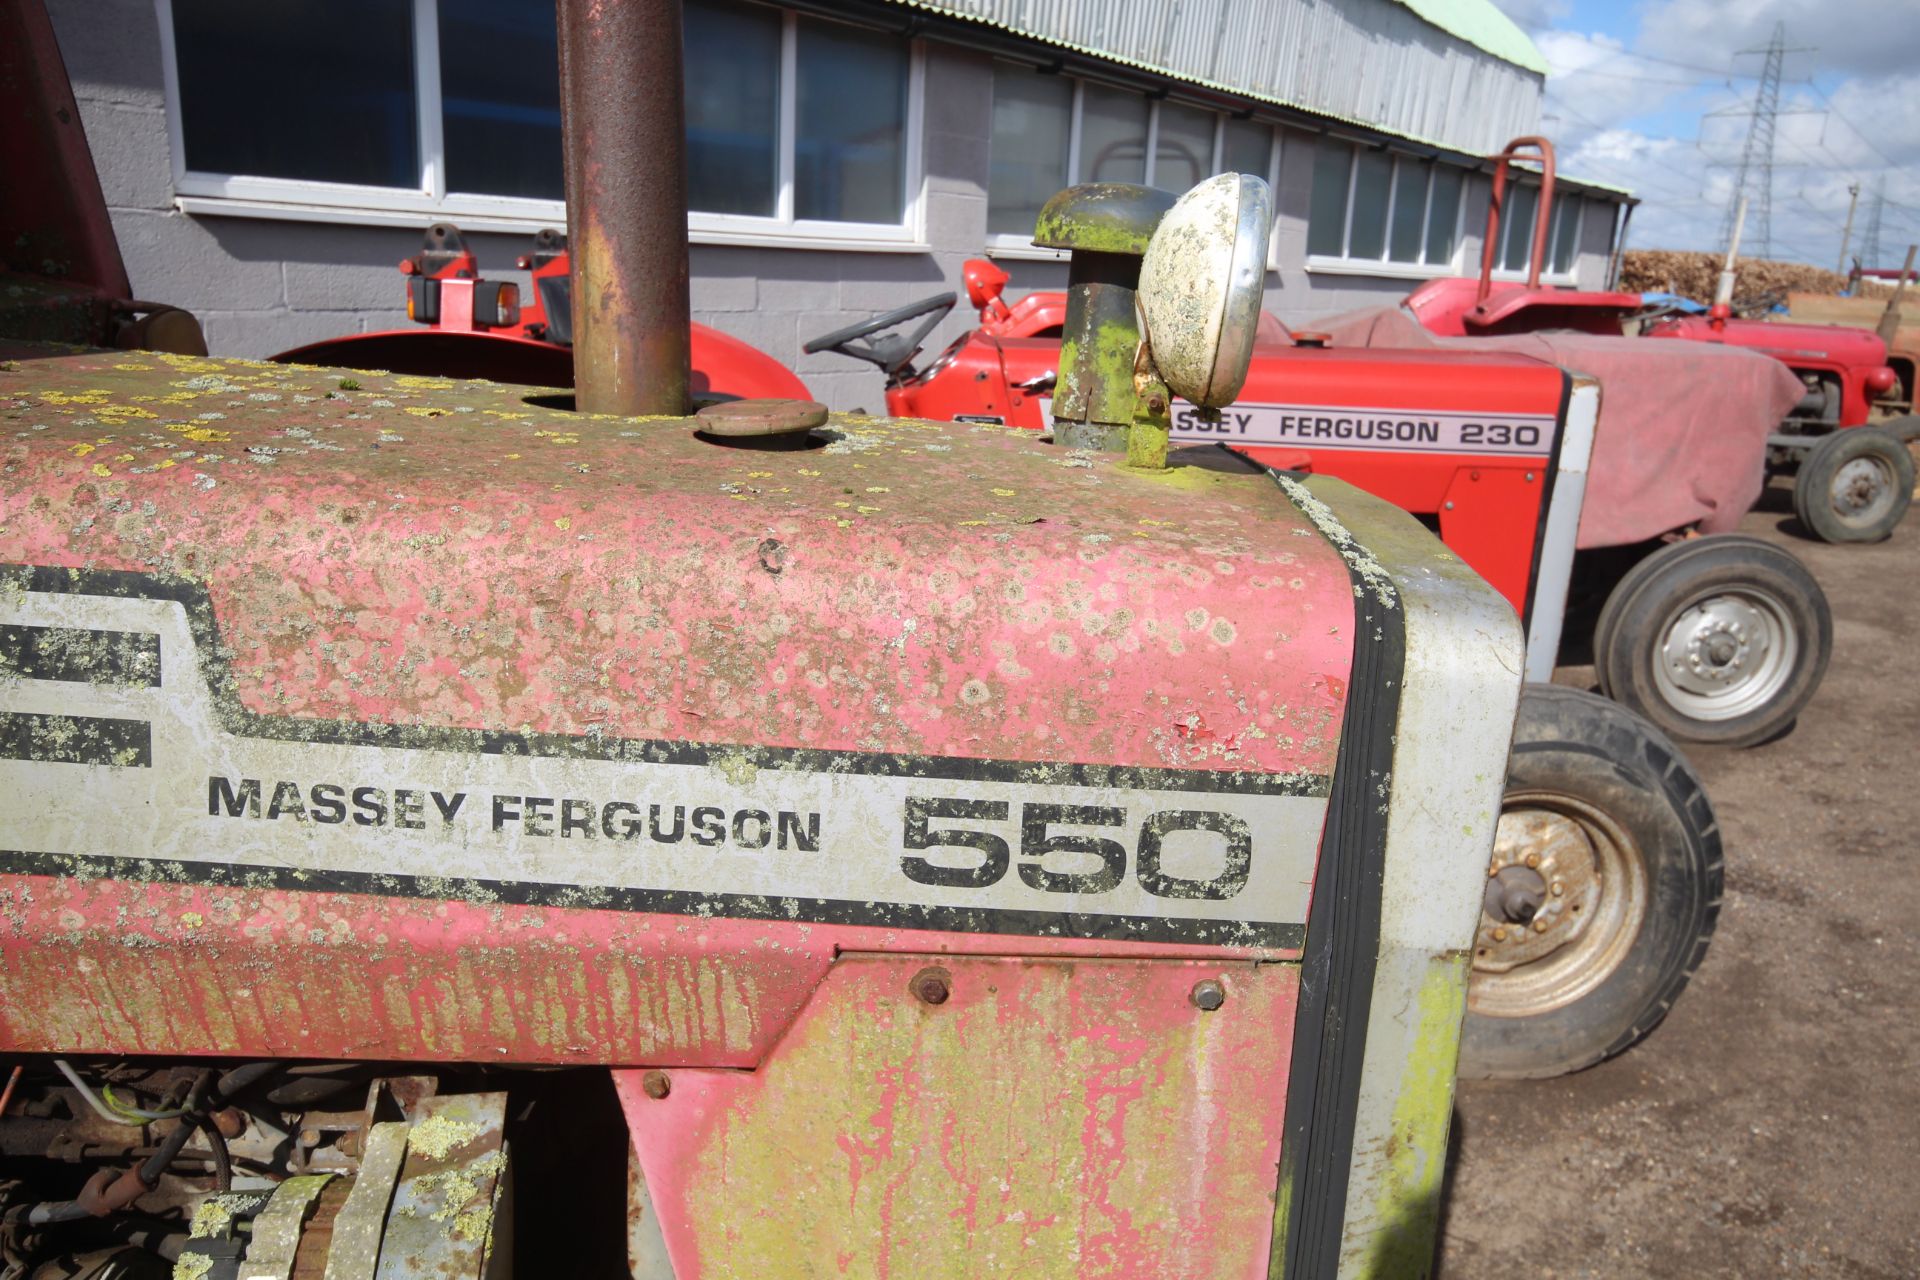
262	285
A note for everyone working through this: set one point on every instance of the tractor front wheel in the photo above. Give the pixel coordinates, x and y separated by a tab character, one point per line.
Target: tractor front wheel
1854	486
1720	639
1601	896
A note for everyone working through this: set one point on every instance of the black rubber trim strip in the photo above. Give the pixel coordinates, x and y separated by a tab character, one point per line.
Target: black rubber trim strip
1343	943
238	720
888	915
64	739
80	654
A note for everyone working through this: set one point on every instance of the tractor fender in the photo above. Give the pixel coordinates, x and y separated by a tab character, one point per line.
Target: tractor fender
723	365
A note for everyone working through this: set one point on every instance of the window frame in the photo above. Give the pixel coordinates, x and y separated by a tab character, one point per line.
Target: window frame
1344	264
1570	276
307	200
1013	246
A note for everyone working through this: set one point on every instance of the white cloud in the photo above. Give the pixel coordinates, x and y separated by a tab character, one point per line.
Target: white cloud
1850	115
1854	36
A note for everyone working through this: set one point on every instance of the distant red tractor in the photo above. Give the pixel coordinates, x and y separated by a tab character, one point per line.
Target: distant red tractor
472	327
1845	439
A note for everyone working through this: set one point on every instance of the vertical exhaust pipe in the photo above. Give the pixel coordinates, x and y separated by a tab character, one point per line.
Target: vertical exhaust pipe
623	126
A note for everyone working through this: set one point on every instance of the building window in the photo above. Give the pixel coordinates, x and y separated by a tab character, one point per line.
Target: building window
1370	206
1051	131
1516	231
798	129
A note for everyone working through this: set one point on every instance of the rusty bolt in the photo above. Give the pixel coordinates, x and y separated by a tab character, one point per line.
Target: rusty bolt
310	1137
231	1122
931	986
656	1085
1207	995
1558	888
1540	924
1156	403
1499	935
1533	859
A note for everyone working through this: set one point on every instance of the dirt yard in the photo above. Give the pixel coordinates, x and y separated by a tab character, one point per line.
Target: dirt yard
1771	1126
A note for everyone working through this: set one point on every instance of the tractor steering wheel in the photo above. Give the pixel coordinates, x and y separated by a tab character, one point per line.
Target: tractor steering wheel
892	352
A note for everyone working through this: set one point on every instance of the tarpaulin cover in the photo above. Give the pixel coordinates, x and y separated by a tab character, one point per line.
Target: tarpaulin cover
1682	438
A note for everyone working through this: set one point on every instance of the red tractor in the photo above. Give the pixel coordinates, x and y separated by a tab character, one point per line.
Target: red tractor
447	832
1715	638
1843	440
472	327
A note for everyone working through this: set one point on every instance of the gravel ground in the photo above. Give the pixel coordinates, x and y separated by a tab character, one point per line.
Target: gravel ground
1771	1125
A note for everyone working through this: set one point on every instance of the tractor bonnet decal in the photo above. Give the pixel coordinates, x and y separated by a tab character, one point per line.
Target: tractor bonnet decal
1383	430
124	752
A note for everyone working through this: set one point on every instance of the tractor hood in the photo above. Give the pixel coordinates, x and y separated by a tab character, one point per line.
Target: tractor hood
449	557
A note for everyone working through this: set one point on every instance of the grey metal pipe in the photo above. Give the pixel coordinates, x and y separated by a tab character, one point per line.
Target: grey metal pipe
624	129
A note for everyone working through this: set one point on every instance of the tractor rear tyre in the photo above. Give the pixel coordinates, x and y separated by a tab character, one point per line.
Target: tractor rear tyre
1602	894
1854	486
1721	639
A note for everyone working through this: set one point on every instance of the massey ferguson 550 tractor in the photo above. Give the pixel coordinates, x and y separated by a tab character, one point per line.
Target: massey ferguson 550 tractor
444	833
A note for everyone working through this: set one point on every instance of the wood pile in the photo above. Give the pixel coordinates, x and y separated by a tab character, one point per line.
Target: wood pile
1695	275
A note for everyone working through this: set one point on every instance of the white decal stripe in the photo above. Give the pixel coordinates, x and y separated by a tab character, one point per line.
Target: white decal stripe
365	810
1373	430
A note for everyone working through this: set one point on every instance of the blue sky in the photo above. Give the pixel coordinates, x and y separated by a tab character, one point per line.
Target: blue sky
1653	96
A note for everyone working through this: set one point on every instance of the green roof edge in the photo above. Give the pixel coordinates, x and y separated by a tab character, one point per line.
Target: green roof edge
1484	27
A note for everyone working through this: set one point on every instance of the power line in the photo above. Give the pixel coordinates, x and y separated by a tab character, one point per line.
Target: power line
1669	62
1625	75
1692	179
1851	125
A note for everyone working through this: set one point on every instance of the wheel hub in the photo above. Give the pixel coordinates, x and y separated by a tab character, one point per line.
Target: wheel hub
1566	895
1714	643
1859	487
1541	888
1724	655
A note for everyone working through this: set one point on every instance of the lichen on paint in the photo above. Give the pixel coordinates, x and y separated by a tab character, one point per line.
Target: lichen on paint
437	1135
1406	1206
1358	558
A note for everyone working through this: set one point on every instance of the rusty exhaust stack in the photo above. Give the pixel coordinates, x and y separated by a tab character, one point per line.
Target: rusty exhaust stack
624	129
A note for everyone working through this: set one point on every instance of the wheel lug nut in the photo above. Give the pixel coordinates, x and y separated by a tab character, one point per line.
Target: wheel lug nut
1558	889
1539	924
1533	859
1499	935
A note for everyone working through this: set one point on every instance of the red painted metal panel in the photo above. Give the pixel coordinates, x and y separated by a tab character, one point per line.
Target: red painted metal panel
1047	1118
93	966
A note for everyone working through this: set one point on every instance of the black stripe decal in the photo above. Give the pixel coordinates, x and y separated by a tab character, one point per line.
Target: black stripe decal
79	654
1342	944
889	915
56	739
238	720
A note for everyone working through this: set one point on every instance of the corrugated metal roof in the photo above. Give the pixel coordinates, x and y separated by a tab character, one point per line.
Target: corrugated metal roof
1382	64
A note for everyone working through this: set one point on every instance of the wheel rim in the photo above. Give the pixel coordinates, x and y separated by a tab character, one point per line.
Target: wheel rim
1726	654
1567	893
1863	491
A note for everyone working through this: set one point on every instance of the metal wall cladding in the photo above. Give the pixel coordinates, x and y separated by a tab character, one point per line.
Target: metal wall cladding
1371	62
